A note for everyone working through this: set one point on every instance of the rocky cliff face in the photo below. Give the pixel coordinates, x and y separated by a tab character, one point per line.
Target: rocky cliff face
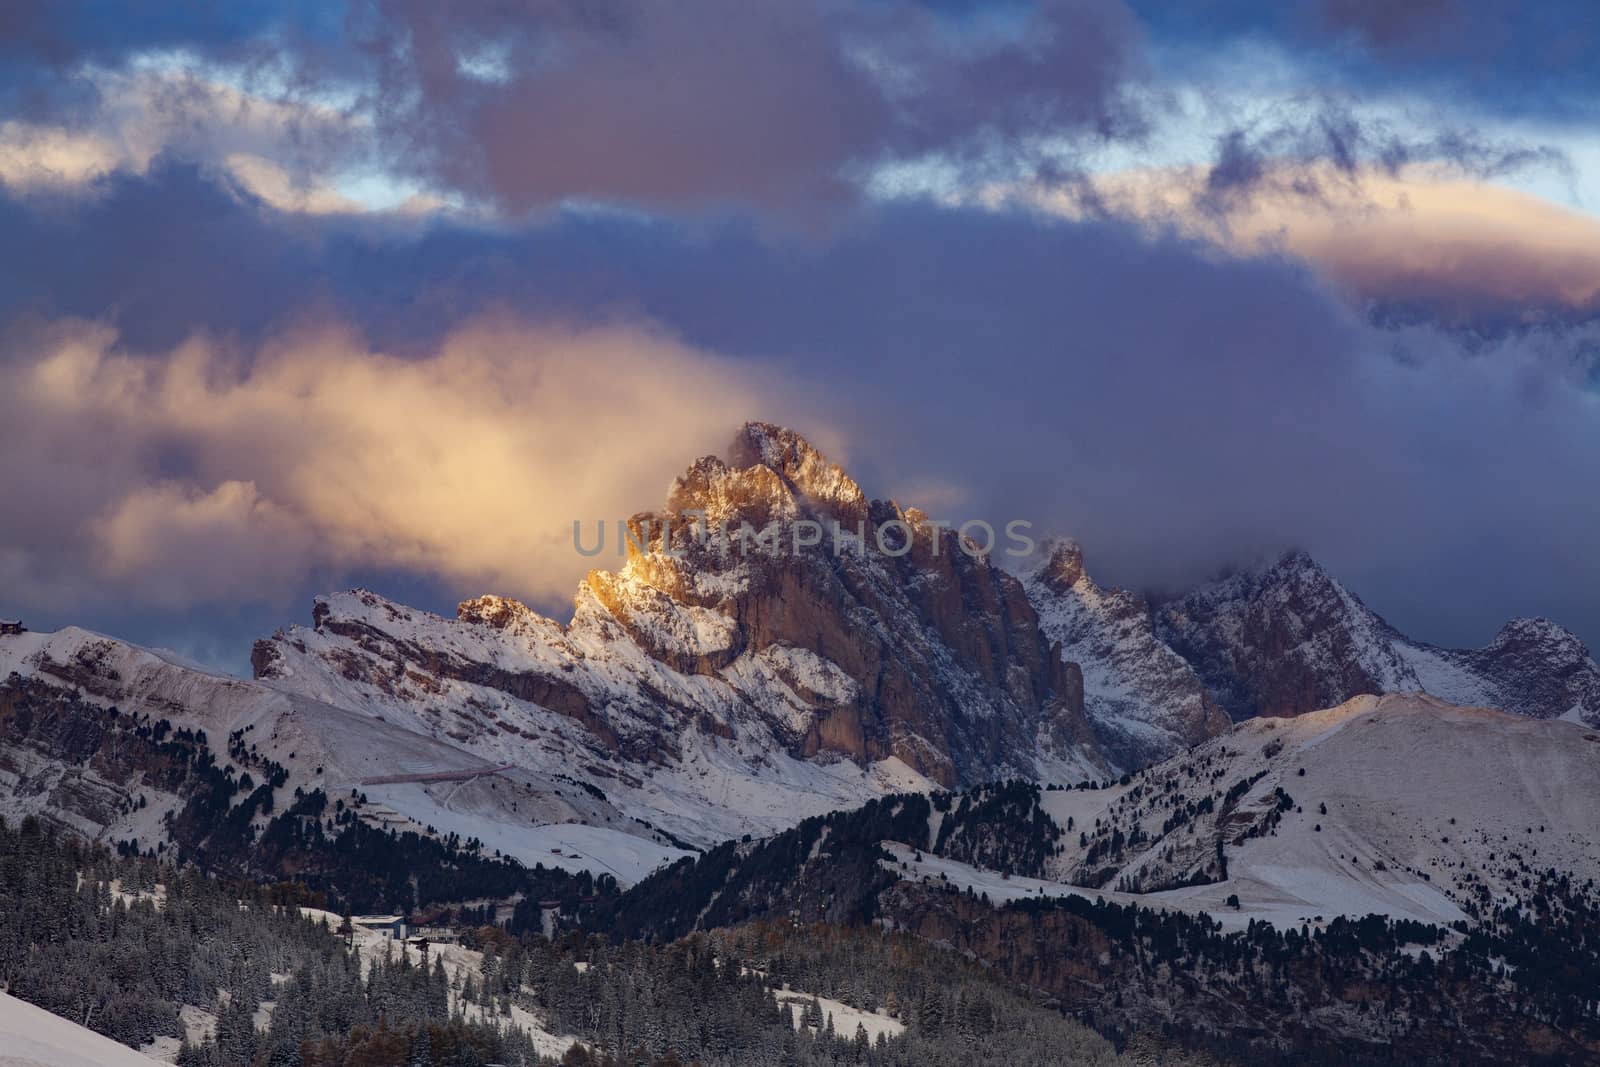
1143	700
769	607
1288	639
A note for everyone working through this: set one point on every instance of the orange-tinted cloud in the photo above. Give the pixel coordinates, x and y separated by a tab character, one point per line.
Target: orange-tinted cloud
1458	247
206	475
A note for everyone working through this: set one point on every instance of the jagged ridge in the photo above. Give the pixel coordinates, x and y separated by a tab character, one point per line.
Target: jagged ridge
1288	638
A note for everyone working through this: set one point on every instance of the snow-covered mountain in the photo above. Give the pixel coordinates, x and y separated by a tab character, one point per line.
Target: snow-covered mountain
696	694
1288	638
1367	876
86	742
732	686
711	688
1144	701
1291	821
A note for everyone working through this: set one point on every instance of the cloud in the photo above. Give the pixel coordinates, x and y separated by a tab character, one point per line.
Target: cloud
1176	403
1501	57
232	475
178	545
284	151
769	107
762	104
1421	239
32	156
1335	146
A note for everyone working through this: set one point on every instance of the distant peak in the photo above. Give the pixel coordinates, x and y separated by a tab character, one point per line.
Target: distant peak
770	467
1300	560
780	449
1063	564
496	611
1295	567
1537	630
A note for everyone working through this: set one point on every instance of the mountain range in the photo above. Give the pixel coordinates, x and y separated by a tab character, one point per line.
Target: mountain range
1254	819
700	693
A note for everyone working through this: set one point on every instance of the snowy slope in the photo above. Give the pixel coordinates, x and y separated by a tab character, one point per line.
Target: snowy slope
521	812
32	1037
1407	806
1143	700
417	670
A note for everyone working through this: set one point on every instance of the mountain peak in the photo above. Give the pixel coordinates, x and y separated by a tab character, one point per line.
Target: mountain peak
499	612
1299	562
796	460
1063	565
771	472
769	444
1537	630
1143	701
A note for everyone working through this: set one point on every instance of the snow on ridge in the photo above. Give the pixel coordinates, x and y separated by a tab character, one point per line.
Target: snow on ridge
1143	699
711	789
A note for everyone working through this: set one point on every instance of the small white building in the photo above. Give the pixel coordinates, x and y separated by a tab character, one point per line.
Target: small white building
391	926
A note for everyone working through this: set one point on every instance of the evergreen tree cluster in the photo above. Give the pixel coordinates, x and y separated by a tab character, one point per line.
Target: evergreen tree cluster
751	996
85	935
1001	827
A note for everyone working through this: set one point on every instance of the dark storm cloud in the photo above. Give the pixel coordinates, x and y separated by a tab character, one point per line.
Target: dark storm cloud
161	256
746	102
788	108
1175	408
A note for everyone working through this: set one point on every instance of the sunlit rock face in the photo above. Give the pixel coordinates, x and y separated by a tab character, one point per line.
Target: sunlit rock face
934	655
760	607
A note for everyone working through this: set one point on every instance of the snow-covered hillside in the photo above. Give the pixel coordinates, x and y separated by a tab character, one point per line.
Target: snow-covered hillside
500	689
1401	805
63	776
